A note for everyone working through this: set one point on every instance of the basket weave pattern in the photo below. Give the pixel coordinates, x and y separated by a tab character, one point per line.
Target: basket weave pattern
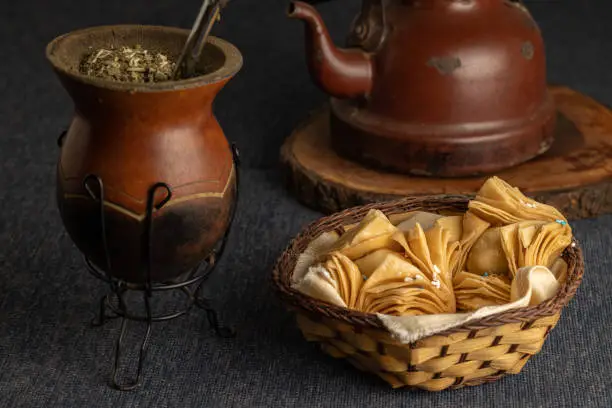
474	353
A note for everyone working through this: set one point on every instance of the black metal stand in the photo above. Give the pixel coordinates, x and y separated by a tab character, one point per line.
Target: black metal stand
115	301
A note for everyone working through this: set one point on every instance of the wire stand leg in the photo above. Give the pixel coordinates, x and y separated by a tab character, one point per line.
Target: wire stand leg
213	319
91	183
201	301
147	293
102	317
135	383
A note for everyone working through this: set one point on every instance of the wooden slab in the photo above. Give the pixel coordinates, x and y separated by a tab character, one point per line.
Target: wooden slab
575	175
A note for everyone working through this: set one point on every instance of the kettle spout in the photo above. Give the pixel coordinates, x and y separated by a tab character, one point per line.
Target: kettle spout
342	73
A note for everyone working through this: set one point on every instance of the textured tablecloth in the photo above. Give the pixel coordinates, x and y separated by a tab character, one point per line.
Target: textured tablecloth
49	356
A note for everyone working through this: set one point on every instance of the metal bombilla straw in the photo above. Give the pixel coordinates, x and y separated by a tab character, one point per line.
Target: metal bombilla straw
209	14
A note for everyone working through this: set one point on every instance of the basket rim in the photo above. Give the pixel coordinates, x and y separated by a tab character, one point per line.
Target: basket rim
285	264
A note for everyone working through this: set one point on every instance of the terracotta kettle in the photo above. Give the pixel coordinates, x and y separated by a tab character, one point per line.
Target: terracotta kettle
445	88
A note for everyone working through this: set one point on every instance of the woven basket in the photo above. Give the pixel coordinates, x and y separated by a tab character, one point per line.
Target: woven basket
477	352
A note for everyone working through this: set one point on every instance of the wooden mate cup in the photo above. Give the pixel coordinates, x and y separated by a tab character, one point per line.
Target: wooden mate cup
133	145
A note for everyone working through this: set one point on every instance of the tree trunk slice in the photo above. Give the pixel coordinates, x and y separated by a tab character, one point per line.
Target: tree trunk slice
575	175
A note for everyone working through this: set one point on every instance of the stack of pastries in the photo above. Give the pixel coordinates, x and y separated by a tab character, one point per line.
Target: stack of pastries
421	263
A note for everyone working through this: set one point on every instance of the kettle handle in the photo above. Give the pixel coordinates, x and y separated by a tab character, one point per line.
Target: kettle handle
369	28
521	5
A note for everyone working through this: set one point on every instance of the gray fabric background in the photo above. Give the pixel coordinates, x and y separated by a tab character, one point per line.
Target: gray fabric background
49	356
